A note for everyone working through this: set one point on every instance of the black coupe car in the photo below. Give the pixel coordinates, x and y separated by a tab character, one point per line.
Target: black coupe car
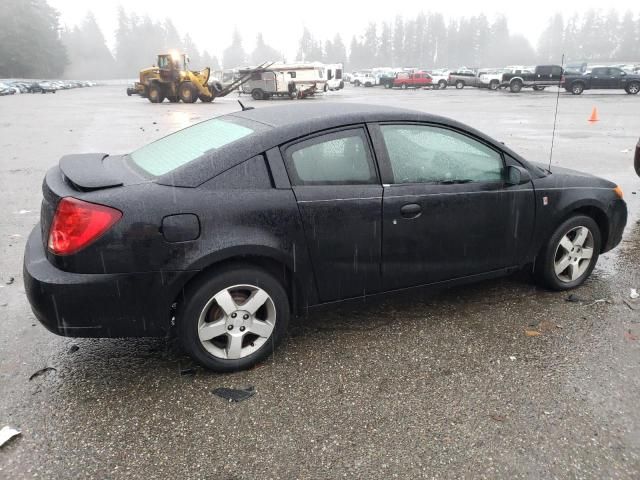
221	231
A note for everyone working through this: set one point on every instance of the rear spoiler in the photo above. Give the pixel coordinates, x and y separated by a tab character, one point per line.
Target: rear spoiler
87	172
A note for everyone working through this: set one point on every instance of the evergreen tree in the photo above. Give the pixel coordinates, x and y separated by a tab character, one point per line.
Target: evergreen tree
87	50
30	43
234	55
263	52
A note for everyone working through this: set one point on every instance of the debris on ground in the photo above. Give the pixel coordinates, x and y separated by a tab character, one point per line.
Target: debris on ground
498	418
189	371
634	294
7	433
22	212
600	300
512	358
631	304
632	337
532	333
41	372
233	394
573	298
74	349
12	279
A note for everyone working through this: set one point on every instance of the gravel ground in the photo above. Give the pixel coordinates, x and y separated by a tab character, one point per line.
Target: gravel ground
442	386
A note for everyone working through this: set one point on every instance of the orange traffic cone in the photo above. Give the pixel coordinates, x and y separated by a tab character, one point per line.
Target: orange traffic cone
594	115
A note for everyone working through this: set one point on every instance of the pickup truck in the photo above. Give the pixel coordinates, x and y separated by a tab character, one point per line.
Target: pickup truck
464	79
367	79
416	80
543	76
609	78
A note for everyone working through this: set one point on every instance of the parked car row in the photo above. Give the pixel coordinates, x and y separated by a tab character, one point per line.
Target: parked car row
11	87
574	77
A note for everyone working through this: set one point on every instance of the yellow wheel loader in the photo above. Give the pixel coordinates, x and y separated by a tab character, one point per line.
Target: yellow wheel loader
171	79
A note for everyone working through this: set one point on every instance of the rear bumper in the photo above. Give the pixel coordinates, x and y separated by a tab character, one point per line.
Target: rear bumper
97	305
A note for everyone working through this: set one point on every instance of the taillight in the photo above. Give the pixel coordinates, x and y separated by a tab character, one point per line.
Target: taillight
76	224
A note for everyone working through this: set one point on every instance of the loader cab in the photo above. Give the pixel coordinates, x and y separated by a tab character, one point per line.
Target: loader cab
171	64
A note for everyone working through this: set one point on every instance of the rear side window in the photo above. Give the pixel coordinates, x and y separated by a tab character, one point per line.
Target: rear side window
341	158
184	146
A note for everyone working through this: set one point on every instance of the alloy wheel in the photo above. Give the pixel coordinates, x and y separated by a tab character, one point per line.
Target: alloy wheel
574	254
236	321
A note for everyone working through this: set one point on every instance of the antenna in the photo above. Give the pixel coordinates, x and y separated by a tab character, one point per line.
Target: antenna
244	109
555	116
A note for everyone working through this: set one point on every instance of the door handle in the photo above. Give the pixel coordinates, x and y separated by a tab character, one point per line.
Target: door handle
411	210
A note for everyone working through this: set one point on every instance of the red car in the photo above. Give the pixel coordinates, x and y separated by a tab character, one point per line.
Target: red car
417	79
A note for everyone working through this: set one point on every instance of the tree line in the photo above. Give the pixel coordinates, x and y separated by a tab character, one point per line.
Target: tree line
33	44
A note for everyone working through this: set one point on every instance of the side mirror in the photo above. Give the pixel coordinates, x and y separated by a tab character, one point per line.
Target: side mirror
517	175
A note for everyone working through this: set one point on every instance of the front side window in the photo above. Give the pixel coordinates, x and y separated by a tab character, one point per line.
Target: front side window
341	158
426	154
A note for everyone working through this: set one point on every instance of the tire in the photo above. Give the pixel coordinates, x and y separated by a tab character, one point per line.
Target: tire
633	88
404	86
357	83
577	88
459	84
368	84
155	94
173	99
205	98
538	88
387	85
494	84
187	92
236	284
515	86
442	84
552	255
257	94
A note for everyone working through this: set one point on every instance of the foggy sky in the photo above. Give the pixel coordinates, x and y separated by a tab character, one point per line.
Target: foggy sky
211	23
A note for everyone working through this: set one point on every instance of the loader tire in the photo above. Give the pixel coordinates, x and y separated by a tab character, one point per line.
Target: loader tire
187	92
205	98
155	94
173	99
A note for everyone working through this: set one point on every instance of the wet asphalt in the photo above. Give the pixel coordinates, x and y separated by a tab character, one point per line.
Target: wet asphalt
495	380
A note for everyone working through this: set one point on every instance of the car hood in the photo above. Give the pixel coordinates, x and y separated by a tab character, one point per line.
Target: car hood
566	177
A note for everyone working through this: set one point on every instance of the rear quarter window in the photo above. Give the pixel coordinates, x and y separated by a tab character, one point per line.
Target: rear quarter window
184	146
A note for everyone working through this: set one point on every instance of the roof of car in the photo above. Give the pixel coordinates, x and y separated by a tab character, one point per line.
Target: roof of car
329	113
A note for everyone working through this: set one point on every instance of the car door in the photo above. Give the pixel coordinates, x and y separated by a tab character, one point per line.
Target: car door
447	212
615	77
599	78
339	195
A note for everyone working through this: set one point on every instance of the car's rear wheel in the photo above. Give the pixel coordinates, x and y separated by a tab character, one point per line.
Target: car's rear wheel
571	254
577	88
442	84
234	319
404	86
459	84
493	85
257	94
515	86
633	88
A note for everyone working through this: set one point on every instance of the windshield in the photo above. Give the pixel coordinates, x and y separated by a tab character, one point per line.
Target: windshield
184	146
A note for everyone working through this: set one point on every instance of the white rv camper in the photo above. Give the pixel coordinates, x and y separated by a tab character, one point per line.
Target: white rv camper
293	80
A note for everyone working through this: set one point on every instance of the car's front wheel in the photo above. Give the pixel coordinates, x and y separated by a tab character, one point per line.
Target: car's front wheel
571	254
234	318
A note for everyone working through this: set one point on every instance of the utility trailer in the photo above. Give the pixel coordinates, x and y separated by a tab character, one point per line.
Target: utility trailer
284	80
